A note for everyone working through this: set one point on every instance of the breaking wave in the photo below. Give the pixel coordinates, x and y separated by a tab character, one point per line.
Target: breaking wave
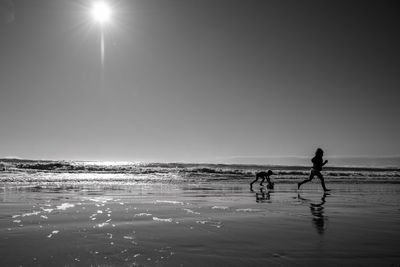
31	171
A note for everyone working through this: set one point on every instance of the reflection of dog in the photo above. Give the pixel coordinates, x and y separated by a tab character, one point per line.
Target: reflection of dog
263	196
263	176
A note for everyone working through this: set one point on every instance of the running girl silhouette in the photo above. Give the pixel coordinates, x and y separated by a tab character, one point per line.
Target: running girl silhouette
318	163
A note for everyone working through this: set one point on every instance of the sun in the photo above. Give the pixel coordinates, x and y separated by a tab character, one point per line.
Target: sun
101	12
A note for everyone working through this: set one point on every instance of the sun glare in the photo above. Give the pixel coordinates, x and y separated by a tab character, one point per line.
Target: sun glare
101	12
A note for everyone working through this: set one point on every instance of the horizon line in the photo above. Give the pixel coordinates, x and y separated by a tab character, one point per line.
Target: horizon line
208	160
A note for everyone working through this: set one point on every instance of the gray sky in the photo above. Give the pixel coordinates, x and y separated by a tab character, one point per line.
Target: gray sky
196	80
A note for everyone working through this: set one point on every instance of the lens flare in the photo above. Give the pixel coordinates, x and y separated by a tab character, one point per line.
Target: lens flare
101	12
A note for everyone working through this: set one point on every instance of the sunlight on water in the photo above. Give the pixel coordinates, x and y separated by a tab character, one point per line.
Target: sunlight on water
108	163
42	173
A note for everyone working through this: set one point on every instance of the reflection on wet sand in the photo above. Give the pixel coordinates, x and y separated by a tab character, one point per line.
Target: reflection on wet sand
319	219
171	225
263	195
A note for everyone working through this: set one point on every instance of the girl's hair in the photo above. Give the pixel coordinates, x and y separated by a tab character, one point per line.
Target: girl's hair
319	152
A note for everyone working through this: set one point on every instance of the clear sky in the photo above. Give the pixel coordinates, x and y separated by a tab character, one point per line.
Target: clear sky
197	80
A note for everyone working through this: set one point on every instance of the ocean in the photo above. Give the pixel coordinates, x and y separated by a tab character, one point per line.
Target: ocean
20	172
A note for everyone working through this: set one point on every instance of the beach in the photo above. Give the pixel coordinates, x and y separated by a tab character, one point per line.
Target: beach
137	133
199	224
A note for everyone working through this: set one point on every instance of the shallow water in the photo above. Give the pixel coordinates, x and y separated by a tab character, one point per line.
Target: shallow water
199	224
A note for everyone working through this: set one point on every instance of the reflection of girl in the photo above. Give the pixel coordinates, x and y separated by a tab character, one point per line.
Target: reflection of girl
318	162
319	219
317	211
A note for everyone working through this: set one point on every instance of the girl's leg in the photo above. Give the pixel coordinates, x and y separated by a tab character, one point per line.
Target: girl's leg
319	175
306	180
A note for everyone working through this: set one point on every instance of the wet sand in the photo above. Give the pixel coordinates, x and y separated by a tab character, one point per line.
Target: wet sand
199	225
